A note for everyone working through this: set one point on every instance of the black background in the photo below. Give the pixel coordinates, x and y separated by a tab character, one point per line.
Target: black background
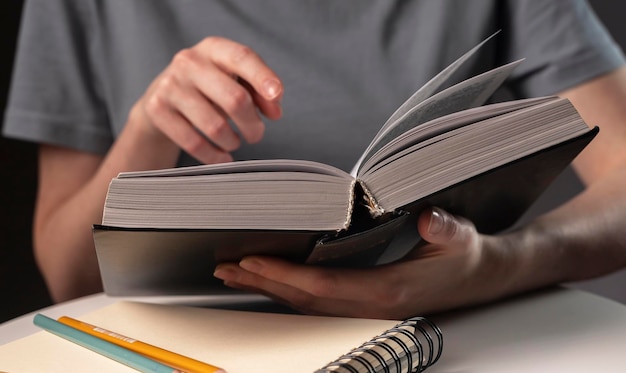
21	286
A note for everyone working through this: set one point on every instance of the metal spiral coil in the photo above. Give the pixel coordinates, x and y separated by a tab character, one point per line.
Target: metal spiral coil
409	347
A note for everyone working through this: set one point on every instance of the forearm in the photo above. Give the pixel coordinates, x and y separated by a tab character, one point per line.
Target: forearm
584	237
581	239
64	248
63	236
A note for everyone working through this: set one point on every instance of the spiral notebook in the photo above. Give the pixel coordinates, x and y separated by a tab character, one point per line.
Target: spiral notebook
239	341
410	346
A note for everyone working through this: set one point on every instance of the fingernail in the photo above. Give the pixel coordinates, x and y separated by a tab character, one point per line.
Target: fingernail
272	88
251	265
225	274
436	222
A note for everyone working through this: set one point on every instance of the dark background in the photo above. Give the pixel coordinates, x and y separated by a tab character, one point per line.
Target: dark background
21	286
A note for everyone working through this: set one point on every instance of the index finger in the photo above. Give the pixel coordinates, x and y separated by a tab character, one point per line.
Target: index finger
241	61
329	283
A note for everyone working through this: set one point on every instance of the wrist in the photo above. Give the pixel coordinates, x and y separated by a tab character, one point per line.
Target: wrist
150	147
534	257
498	267
140	124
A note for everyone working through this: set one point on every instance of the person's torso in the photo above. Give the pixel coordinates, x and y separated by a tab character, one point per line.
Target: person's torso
346	65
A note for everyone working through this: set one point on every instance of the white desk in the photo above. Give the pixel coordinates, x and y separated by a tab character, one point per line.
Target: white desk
554	331
558	330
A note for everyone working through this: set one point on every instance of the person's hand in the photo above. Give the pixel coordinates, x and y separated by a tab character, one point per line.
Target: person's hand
457	267
191	102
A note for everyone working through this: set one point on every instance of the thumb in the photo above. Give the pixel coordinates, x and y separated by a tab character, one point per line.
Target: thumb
440	227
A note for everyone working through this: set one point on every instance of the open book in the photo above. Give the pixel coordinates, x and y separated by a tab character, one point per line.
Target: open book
163	230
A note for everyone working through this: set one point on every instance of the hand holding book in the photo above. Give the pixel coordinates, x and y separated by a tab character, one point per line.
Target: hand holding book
422	283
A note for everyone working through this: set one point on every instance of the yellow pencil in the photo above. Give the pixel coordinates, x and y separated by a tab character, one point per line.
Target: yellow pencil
166	357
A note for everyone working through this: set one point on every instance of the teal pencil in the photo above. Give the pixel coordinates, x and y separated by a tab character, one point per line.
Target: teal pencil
117	353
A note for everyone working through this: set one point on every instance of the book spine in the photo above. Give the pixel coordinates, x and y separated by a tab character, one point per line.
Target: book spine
370	201
348	221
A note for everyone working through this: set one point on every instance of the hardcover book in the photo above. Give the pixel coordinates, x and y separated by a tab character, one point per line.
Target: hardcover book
164	231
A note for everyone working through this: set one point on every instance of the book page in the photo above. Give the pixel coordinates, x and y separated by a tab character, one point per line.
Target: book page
258	194
268	165
462	153
247	200
433	85
467	94
427	90
444	124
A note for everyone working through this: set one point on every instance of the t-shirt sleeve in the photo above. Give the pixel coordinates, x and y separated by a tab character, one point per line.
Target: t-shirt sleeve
563	44
56	95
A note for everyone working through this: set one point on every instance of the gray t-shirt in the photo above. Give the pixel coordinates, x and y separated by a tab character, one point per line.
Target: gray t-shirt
346	65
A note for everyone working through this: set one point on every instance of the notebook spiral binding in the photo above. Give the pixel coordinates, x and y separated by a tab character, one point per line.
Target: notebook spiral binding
409	347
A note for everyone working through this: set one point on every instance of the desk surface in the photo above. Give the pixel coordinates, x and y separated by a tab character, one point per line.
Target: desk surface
558	330
553	331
